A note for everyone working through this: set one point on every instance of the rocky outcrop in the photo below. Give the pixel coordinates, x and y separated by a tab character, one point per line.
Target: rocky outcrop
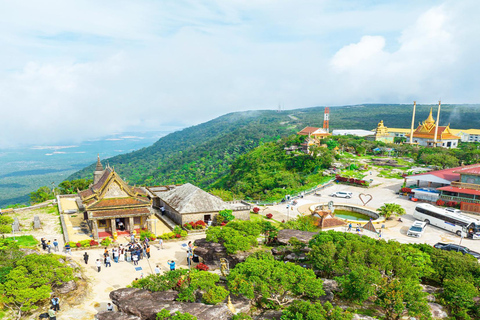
109	315
286	234
145	305
67	287
438	311
212	252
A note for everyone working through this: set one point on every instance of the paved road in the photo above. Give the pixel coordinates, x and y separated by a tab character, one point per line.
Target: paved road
383	192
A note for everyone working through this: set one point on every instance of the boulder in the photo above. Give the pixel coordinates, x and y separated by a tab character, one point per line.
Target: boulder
145	305
67	287
330	285
286	234
110	315
362	317
212	252
438	311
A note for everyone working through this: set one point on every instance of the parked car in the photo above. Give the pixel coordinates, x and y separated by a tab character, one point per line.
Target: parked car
341	194
417	229
457	248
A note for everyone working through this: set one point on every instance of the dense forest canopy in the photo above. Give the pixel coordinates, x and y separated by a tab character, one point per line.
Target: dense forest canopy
202	154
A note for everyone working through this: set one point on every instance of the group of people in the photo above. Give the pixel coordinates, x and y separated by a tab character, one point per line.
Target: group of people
133	251
47	245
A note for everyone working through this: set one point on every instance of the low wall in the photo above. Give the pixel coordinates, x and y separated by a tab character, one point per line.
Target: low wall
369	212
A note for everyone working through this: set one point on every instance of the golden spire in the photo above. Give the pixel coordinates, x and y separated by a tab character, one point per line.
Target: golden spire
430	117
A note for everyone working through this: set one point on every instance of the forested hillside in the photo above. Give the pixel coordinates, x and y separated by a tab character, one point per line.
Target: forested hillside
203	154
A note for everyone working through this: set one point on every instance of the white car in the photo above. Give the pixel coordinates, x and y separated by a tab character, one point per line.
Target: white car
417	229
341	194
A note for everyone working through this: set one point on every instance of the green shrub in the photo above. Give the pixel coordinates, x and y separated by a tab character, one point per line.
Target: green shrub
183	233
227	215
5	228
106	242
215	295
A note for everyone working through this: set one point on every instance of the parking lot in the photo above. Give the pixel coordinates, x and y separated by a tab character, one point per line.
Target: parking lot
384	192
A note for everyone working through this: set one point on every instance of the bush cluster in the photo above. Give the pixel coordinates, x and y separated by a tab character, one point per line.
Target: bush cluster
195	225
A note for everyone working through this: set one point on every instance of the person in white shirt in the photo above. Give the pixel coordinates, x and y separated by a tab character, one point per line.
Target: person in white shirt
99	264
157	270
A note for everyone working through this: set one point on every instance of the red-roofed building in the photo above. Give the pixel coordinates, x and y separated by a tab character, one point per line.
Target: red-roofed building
110	204
460	184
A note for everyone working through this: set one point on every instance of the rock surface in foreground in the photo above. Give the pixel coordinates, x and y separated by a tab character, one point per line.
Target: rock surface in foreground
286	234
145	305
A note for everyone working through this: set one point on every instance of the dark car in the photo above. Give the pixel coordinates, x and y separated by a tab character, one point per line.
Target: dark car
457	248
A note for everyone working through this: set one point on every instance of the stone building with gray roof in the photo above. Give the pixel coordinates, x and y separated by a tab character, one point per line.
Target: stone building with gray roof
186	203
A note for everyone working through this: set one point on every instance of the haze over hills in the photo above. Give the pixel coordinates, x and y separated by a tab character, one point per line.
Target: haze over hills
25	170
202	154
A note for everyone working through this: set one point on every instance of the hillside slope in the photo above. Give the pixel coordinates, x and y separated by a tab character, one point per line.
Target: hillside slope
202	154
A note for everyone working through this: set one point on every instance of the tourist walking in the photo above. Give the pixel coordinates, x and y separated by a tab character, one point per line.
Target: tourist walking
157	270
115	255
108	262
68	249
44	243
55	303
135	259
160	242
99	265
190	246
171	263
85	257
105	255
55	245
189	258
349	227
49	246
147	251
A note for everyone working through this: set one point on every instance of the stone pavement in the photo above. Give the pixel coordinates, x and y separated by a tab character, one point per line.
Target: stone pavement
120	275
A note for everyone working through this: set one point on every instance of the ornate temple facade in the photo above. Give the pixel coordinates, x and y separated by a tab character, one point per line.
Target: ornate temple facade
425	135
111	205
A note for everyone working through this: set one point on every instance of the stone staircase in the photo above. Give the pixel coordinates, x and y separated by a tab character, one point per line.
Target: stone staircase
168	222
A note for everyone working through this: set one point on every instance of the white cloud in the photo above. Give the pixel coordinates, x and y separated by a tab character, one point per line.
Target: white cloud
77	71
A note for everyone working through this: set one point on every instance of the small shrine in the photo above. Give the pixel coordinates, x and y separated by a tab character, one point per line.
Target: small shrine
325	217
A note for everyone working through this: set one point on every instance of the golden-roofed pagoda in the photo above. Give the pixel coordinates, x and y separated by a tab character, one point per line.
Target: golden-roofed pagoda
430	134
112	205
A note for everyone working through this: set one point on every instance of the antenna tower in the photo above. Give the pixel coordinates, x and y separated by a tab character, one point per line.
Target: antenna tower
326	119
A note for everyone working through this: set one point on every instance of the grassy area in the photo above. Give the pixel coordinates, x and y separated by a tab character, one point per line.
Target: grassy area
357	174
255	217
26	241
389	174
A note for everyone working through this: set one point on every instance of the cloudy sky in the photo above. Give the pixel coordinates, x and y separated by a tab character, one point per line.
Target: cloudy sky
75	70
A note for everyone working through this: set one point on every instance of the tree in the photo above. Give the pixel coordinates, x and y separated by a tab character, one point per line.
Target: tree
273	283
359	284
164	314
41	194
458	295
31	281
390	209
305	310
397	296
72	186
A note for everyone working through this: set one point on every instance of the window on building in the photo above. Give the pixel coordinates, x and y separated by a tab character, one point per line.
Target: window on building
102	223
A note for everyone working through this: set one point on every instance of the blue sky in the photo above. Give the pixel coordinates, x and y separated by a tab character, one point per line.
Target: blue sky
76	70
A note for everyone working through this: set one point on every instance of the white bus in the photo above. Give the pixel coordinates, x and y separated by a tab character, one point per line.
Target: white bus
450	220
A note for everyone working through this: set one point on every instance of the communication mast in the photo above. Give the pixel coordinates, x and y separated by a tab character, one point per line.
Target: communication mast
326	118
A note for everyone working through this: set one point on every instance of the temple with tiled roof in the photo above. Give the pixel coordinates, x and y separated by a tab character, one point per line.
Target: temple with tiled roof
112	205
425	135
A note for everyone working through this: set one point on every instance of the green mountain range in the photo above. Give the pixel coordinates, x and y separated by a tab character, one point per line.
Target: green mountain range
203	154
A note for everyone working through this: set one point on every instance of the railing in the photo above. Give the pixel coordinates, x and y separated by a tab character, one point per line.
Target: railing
459	199
464	185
